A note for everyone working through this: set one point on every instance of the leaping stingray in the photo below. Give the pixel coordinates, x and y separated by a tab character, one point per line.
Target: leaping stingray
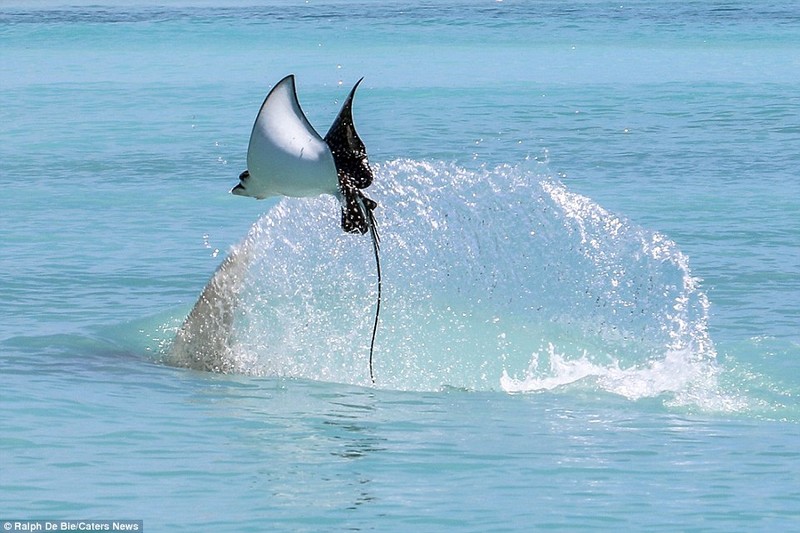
285	157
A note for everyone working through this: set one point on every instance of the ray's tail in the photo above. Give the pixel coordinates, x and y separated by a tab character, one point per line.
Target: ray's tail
376	245
358	216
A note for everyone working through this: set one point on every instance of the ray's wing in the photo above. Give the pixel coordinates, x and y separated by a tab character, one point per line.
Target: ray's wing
348	149
286	156
352	167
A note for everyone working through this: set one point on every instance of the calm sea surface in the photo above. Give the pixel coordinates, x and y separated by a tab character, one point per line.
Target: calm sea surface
590	222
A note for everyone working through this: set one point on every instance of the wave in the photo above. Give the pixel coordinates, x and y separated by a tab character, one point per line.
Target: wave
496	278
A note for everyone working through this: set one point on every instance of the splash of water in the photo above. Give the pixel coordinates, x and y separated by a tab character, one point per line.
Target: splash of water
492	278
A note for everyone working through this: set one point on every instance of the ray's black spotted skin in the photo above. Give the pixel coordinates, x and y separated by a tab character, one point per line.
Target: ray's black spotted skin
349	152
352	168
357	211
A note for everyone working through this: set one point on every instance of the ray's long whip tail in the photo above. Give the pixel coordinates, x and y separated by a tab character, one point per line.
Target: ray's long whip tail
376	244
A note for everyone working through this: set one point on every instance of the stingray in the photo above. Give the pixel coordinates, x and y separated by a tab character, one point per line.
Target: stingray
285	157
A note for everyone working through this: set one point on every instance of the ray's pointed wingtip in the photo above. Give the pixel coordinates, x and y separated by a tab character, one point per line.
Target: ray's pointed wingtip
352	94
290	79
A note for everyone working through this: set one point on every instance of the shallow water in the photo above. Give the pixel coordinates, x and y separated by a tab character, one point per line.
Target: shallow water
591	244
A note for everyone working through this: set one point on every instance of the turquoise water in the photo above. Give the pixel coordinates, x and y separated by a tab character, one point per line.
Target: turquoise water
591	247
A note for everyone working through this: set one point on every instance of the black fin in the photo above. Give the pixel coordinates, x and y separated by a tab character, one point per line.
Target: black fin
349	152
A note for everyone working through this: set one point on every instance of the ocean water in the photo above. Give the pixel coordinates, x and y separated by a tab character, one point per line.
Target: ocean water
590	223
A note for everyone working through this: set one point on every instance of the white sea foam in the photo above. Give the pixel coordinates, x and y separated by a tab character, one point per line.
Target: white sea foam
678	377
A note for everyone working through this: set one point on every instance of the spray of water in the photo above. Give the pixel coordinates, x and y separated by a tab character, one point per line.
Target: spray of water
495	278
